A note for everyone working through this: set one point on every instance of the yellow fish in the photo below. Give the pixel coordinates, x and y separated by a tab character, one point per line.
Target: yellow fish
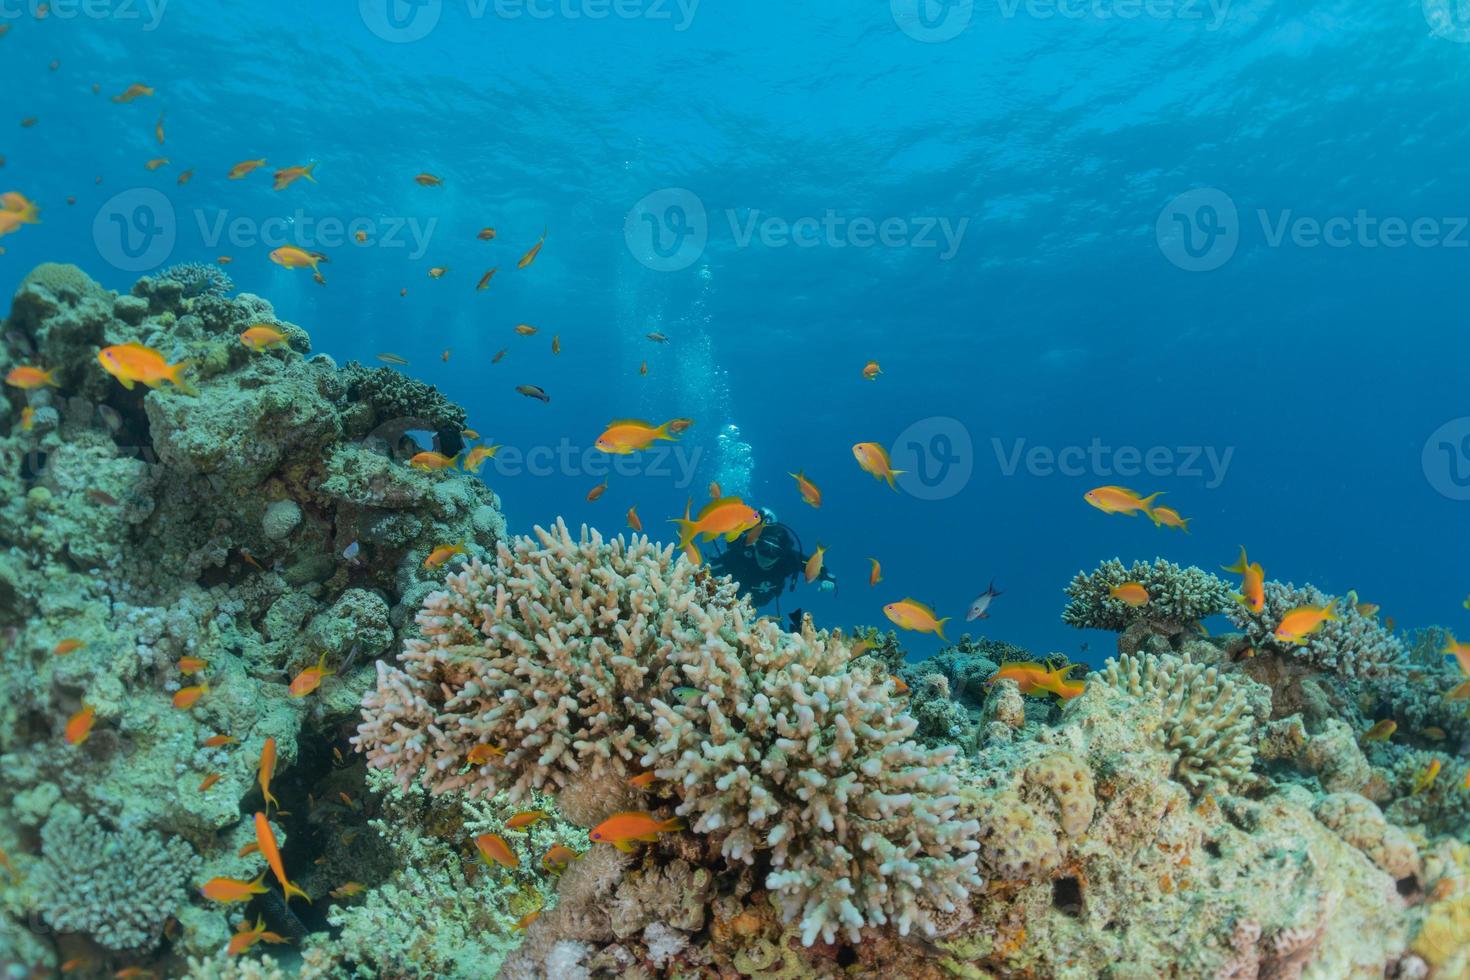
1302	622
624	436
291	257
530	256
871	370
873	458
133	91
262	336
729	517
808	490
287	176
1381	731
477	457
131	363
1120	500
1426	778
814	563
244	167
910	614
428	460
1169	517
1252	583
442	554
1133	593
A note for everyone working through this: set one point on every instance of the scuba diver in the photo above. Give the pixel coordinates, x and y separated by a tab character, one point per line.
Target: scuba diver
772	563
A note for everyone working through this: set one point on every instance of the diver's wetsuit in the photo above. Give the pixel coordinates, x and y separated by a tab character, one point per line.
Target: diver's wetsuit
765	568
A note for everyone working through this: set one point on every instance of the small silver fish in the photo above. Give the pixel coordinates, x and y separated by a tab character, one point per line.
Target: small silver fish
979	609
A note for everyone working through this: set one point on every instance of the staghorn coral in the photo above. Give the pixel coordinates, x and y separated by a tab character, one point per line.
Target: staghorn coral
1354	646
565	652
116	886
1178	599
1204	717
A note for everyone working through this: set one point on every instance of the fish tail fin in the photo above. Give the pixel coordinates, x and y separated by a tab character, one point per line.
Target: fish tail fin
1240	566
307	174
939	629
1184	524
176	375
1147	505
270	799
291	889
889	477
990	590
672	824
687	528
662	432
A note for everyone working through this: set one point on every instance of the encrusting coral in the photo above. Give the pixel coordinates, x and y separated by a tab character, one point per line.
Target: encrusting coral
565	655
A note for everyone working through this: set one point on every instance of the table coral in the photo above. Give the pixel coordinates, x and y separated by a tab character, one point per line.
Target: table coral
565	654
1179	598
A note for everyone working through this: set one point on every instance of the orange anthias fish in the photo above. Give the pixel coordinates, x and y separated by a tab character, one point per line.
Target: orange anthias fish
556	344
484	282
643	780
1252	583
477	456
1132	593
525	819
79	725
1381	731
187	697
1032	678
16	210
483	753
186	176
244	167
624	436
1426	778
131	363
558	858
291	257
442	554
428	180
807	488
729	517
247	937
133	91
873	459
526	920
267	841
871	370
1120	500
309	679
1169	517
876	575
633	520
1303	621
287	176
494	850
1459	692
66	646
230	890
486	234
499	354
814	564
597	491
262	337
530	256
428	461
208	781
27	419
621	829
215	741
1460	651
438	271
191	665
910	614
643	369
28	378
156	162
267	770
525	329
348	890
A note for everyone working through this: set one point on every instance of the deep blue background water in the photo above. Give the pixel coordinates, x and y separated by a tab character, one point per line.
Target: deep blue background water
1060	318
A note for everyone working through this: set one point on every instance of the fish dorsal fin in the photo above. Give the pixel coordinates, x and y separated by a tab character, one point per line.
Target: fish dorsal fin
1022	665
714	505
920	606
641	423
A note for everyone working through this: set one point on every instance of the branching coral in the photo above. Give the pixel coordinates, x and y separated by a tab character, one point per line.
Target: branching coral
117	886
565	653
1178	598
1353	645
198	279
1204	716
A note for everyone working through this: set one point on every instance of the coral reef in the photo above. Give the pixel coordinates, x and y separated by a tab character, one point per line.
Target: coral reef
1179	598
1354	645
197	279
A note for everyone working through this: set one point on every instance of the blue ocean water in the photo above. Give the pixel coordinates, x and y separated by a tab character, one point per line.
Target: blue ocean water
1077	237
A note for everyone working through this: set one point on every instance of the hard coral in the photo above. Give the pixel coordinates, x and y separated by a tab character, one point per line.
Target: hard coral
1355	645
1178	599
565	654
198	279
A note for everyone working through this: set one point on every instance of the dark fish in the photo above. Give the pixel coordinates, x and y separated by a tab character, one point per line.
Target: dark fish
795	619
531	391
979	609
658	338
102	497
